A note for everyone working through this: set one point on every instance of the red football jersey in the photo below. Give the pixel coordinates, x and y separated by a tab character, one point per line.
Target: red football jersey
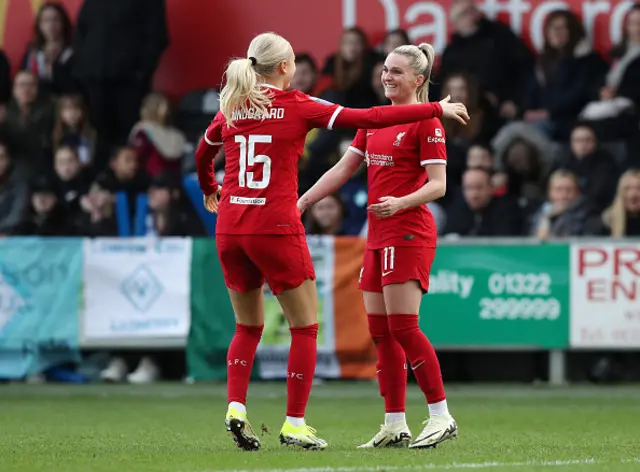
260	188
395	158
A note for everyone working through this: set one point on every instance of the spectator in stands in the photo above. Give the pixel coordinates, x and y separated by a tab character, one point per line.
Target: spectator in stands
594	167
124	175
71	179
117	47
170	213
567	75
50	56
394	39
72	128
622	218
377	85
481	128
624	77
306	76
350	70
31	120
481	156
160	146
98	212
479	213
14	194
491	53
619	98
524	171
5	81
567	212
48	215
327	216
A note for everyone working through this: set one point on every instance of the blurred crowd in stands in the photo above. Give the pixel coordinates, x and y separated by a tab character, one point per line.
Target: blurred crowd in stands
552	150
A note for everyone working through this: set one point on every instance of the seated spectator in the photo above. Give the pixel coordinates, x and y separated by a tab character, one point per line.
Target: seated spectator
619	98
622	218
394	39
350	68
490	52
481	128
326	217
160	146
480	156
170	213
5	80
566	77
71	181
14	194
567	212
595	169
72	128
48	215
49	56
98	212
479	213
524	172
123	175
306	76
31	118
377	85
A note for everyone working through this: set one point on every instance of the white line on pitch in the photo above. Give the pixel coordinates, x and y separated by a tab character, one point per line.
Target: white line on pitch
452	466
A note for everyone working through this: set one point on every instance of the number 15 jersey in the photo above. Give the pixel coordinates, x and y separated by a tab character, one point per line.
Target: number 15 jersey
260	187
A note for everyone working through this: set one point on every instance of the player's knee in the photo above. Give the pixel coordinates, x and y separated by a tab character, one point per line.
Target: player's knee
378	328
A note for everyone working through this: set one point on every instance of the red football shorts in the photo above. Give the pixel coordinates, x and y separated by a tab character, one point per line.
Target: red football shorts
247	260
396	265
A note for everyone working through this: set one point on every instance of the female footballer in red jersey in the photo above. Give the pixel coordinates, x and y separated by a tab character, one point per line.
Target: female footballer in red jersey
406	169
259	233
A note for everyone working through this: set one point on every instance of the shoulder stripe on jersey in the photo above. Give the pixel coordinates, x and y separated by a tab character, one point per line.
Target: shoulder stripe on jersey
433	161
333	117
210	143
356	150
322	101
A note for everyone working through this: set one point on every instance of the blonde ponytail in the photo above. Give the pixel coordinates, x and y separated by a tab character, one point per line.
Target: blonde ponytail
421	59
242	93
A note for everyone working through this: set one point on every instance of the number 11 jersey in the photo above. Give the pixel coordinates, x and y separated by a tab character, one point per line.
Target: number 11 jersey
260	187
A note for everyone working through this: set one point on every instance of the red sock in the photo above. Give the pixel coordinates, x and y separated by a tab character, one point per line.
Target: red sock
391	366
421	354
302	366
240	356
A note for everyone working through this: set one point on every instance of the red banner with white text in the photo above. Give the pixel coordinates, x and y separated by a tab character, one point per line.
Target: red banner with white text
205	33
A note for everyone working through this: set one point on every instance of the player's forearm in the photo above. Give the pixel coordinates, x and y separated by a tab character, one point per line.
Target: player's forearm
330	182
384	116
205	154
429	192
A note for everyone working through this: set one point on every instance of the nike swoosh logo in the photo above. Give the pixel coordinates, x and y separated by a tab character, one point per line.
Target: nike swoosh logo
384	274
415	367
370	134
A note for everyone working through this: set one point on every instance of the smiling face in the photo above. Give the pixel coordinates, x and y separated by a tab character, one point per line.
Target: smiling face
399	80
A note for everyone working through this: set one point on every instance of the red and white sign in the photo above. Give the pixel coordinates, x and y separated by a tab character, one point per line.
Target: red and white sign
204	34
605	295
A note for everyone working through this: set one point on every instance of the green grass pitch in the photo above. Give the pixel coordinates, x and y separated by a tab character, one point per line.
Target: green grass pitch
179	428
